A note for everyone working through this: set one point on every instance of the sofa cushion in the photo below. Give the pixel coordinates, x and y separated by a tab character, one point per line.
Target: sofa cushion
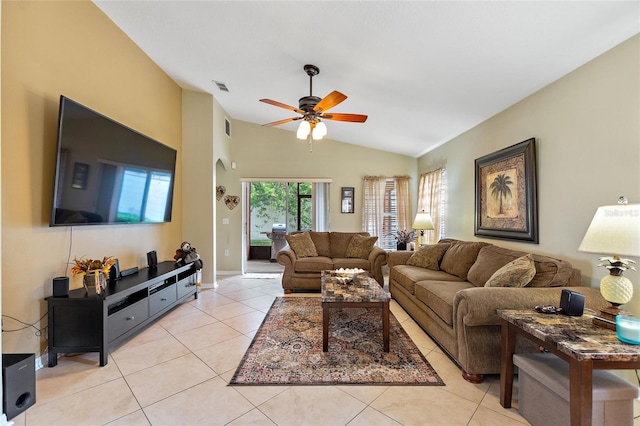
313	264
407	275
517	273
321	241
302	245
439	296
428	256
360	246
459	258
339	241
489	260
351	263
550	272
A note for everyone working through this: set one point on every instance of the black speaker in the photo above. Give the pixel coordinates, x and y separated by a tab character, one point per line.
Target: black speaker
18	383
572	303
114	272
60	286
152	259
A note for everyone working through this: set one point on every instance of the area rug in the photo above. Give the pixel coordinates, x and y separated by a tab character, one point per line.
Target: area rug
287	349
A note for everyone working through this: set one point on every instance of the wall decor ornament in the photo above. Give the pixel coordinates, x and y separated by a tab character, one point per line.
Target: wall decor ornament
506	194
231	201
220	191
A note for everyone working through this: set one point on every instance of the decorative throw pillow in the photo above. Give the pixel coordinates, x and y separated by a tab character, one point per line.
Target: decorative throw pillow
517	273
302	245
428	256
360	246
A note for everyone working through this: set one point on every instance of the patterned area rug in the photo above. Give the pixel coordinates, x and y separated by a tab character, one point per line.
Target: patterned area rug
287	349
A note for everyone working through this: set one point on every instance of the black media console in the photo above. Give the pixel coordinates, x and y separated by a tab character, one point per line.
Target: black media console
85	322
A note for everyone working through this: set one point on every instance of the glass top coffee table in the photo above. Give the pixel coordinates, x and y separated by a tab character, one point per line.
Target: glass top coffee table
361	291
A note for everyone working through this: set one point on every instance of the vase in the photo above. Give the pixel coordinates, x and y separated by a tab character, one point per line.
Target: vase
401	246
94	279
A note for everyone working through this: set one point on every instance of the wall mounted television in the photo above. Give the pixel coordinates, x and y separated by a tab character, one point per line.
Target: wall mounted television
107	173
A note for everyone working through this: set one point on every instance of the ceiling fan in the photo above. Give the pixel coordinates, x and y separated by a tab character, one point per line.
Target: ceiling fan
314	109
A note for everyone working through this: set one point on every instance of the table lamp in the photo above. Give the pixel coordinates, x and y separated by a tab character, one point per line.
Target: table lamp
422	223
614	230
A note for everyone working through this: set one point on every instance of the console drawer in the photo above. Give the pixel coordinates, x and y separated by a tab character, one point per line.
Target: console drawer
124	320
160	300
186	286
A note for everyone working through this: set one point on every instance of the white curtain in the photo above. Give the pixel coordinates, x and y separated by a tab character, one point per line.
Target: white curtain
403	200
431	199
320	212
373	204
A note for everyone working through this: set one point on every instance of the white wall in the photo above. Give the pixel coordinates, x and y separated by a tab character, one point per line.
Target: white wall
587	130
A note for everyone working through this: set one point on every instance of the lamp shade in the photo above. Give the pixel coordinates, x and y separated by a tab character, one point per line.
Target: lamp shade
303	129
614	230
321	129
422	221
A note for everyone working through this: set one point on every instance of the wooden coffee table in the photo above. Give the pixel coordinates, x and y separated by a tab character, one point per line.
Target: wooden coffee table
362	292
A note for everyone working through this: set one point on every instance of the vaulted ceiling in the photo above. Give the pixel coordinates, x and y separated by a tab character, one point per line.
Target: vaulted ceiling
423	71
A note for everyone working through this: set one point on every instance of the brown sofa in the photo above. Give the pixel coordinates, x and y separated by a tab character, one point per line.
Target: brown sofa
449	300
309	253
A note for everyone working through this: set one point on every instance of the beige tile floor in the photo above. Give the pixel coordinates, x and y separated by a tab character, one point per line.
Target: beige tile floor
176	373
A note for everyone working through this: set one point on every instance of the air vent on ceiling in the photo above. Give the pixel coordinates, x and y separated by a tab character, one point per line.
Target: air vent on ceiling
221	86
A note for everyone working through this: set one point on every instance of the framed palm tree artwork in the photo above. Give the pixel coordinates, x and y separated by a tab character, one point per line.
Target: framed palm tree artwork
506	194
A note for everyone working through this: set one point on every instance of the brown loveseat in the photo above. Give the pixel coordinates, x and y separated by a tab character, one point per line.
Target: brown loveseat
447	297
309	253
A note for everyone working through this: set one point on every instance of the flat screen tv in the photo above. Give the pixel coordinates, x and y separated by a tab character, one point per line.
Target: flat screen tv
107	173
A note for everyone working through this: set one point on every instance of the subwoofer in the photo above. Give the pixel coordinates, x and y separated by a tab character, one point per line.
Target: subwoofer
18	383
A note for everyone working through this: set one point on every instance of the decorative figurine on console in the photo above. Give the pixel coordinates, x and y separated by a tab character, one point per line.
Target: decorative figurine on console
187	254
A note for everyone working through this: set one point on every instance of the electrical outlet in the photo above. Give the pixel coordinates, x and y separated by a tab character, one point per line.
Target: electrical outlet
225	220
226	252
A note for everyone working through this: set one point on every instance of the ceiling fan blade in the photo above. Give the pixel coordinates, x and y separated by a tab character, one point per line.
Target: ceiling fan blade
329	101
281	105
286	120
353	118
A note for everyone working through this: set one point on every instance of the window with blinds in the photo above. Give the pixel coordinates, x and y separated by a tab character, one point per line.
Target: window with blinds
389	216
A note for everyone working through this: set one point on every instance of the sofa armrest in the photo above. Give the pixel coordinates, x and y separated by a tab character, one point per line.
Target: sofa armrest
377	255
398	258
286	257
377	258
478	306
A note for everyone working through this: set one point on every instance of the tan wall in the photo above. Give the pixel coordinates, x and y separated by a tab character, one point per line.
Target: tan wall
587	130
198	197
71	48
261	152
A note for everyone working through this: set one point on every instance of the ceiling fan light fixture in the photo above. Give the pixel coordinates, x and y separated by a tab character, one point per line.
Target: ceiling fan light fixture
303	129
320	129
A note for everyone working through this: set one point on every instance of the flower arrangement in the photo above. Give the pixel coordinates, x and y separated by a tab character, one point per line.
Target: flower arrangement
405	236
82	266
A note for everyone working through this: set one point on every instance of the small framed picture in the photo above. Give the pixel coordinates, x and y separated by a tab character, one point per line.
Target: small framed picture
347	199
80	175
